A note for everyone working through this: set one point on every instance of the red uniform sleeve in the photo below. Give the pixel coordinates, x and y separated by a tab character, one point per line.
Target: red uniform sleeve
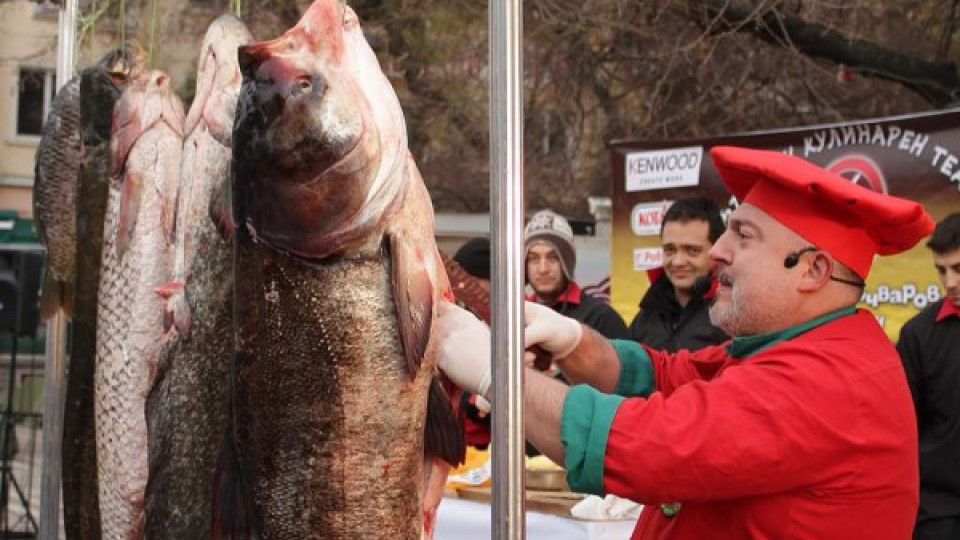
671	371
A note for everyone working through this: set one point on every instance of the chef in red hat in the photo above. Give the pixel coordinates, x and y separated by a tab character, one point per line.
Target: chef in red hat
801	426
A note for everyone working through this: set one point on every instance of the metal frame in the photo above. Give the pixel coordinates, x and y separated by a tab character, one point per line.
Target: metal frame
506	225
55	386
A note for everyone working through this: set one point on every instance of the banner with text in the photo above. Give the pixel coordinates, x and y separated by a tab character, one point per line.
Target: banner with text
916	157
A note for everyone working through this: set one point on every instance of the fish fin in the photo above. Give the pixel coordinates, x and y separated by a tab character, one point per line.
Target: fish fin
229	512
121	142
177	311
413	294
444	433
129	210
221	210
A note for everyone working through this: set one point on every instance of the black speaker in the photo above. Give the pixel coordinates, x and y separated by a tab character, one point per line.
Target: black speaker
20	278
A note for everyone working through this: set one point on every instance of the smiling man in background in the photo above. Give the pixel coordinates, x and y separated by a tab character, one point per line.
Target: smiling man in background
673	313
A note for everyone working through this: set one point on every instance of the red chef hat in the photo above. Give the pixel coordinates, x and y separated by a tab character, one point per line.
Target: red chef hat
849	221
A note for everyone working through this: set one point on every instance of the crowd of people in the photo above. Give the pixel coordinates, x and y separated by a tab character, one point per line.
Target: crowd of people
749	397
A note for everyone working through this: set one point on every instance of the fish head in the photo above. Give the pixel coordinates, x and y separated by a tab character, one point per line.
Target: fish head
324	132
218	76
149	99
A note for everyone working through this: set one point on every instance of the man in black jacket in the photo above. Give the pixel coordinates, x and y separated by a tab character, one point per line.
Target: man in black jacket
550	263
929	347
673	313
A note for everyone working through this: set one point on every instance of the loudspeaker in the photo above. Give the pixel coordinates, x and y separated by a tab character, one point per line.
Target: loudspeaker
20	274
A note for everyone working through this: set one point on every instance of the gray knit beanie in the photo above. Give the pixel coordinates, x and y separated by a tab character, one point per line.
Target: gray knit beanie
552	229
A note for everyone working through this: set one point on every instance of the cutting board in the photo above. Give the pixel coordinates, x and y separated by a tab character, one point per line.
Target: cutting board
557	503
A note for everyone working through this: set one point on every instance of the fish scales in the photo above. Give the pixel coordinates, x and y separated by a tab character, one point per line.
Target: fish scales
336	438
54	197
187	408
81	505
146	145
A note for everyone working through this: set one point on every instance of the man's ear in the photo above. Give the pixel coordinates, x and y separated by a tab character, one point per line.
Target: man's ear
817	273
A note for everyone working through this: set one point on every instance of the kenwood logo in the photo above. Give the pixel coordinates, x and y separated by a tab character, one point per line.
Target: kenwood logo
660	169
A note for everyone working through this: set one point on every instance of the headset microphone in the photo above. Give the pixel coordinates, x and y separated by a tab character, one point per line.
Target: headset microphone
793	258
701	285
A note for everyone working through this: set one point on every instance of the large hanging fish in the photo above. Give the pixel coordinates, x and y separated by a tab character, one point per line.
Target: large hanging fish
100	88
187	408
338	417
146	145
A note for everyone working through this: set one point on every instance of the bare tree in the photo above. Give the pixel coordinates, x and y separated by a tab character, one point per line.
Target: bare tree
596	70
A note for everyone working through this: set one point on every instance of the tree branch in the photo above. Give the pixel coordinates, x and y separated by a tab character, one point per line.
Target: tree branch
937	82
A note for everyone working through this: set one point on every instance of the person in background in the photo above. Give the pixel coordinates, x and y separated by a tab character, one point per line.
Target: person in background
801	427
929	347
474	257
550	264
673	313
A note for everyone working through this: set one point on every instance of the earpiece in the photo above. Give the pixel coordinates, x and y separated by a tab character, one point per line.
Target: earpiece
793	258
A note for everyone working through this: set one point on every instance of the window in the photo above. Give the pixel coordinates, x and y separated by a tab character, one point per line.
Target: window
33	100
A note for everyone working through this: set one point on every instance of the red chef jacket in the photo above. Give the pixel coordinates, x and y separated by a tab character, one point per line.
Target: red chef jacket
805	433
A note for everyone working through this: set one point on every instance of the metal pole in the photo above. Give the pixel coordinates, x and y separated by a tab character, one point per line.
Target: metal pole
54	372
506	224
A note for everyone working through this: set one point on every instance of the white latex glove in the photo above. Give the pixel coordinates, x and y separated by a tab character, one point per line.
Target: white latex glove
463	348
553	332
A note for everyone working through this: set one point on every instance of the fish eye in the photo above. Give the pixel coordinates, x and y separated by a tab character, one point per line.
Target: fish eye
302	86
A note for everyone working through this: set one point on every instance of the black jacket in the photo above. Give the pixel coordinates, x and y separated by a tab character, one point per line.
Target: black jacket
930	351
663	324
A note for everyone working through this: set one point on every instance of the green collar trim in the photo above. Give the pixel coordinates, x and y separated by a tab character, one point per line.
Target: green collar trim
742	347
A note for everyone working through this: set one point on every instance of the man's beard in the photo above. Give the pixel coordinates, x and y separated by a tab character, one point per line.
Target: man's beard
739	316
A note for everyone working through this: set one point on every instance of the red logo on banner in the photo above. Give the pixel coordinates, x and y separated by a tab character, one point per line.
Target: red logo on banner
860	170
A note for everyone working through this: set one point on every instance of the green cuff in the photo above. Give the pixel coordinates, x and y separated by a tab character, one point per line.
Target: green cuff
587	416
636	370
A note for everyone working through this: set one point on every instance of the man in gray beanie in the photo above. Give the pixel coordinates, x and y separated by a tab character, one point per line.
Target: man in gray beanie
551	261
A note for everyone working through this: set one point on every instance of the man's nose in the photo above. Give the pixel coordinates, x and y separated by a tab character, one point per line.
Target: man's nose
952	279
718	252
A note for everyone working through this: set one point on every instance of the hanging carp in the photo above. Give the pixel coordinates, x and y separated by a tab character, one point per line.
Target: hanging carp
146	144
187	407
100	88
337	275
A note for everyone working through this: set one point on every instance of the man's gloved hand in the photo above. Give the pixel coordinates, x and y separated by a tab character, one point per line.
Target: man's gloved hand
463	348
553	332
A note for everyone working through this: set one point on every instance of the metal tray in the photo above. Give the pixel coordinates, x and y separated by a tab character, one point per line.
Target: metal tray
547	479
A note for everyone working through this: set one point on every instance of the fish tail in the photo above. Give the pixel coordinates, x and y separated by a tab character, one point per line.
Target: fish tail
55	295
230	520
443	435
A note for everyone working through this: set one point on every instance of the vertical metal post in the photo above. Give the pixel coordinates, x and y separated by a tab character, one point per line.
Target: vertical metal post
506	224
54	372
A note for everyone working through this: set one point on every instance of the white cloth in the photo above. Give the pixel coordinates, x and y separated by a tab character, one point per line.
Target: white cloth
459	519
610	507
